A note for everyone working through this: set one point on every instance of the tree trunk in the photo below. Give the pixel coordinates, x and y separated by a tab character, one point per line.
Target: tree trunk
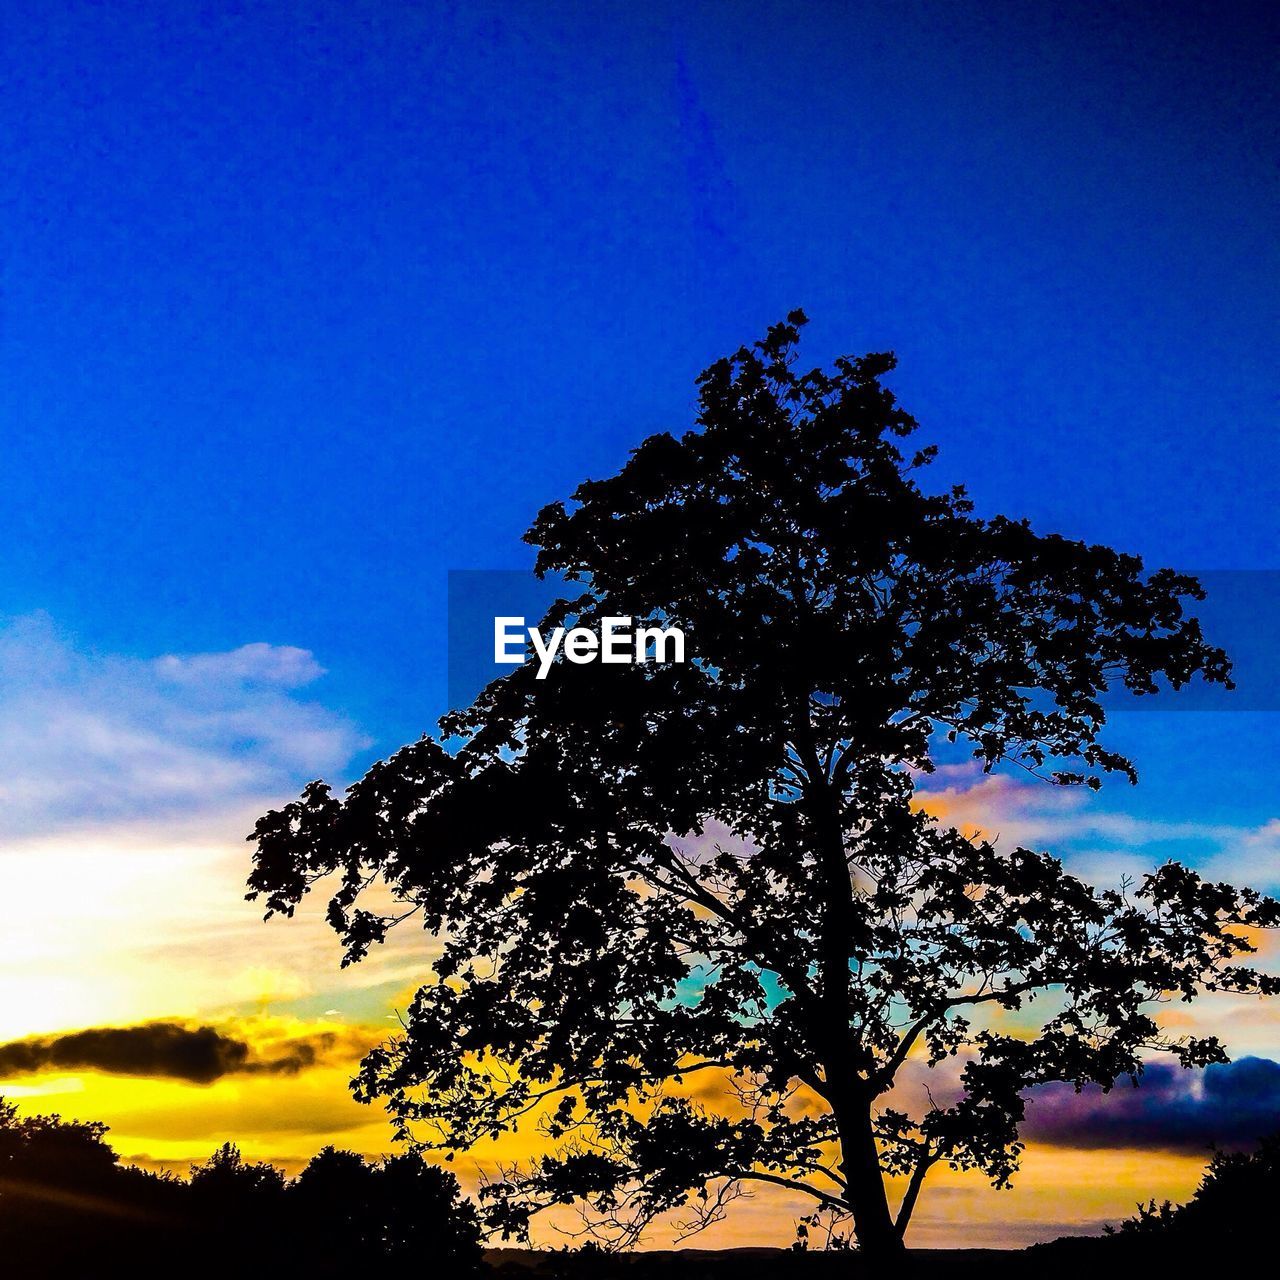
873	1224
877	1234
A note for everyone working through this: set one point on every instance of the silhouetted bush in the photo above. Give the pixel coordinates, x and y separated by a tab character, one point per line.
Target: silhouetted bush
1229	1216
1230	1212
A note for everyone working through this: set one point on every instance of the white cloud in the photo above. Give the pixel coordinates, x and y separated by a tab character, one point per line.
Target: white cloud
87	738
261	664
127	787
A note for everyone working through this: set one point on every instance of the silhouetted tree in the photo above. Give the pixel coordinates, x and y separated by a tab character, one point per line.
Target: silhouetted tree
66	1202
331	1196
647	874
237	1205
40	1150
353	1213
421	1214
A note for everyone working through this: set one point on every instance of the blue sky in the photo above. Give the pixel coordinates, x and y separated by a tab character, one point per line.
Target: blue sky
306	304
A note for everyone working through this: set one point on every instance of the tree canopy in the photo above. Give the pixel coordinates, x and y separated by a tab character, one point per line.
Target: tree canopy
692	917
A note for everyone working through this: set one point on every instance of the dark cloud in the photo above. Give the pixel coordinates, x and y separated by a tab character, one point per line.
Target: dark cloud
199	1054
1228	1105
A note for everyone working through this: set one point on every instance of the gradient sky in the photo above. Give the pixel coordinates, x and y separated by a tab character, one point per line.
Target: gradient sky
303	305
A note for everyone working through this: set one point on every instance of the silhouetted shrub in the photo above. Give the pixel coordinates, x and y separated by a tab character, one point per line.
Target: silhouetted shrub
66	1203
1229	1216
1231	1209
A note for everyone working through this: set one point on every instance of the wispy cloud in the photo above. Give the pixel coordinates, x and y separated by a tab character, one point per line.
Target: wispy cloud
1097	842
87	737
127	786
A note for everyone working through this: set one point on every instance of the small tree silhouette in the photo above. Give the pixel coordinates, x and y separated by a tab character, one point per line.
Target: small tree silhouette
1230	1216
237	1207
44	1151
331	1197
355	1213
645	876
226	1178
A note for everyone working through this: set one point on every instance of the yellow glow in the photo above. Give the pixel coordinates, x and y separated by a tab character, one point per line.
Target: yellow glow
127	926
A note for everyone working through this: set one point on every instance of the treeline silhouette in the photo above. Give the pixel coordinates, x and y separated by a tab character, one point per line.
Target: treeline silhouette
68	1207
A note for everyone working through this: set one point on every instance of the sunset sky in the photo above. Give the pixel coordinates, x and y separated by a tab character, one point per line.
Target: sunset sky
304	305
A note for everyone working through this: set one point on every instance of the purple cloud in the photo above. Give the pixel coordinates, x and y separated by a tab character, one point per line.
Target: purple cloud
1170	1109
